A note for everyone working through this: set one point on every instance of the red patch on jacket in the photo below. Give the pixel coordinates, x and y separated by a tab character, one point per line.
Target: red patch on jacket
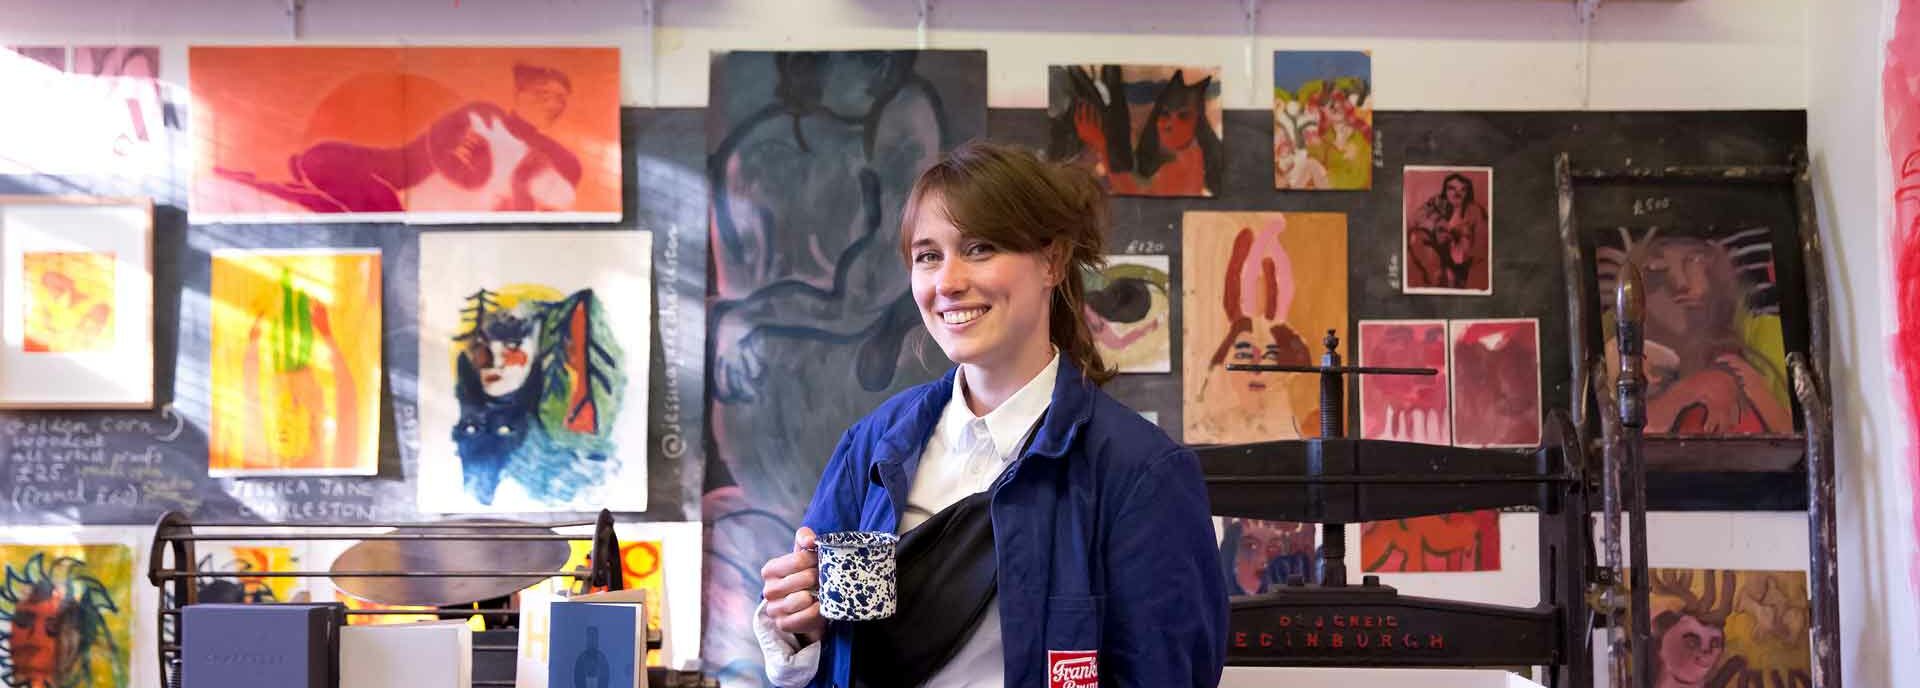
1072	669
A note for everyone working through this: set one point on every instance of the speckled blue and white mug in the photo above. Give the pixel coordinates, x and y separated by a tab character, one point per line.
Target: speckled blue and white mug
857	575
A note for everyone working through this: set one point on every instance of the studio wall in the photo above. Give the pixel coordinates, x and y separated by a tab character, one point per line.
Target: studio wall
1498	55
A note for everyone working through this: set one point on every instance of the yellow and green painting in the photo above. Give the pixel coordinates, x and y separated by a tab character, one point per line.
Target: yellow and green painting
296	362
67	612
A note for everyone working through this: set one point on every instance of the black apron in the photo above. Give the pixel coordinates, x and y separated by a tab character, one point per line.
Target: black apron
945	576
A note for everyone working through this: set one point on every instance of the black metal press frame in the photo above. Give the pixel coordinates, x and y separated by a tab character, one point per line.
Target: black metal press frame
176	575
1334	480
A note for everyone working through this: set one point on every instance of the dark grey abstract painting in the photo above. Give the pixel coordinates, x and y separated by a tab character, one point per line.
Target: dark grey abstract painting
811	325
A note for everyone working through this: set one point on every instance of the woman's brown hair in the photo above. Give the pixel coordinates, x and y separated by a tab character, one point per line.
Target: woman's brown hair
1011	198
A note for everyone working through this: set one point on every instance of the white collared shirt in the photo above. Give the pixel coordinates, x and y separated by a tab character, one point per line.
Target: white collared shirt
964	455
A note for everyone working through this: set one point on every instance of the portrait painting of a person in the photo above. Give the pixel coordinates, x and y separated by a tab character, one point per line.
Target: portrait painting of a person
1449	230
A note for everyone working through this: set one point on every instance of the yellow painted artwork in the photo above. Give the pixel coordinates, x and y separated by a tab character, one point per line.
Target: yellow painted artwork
68	612
1260	288
296	363
69	301
1730	628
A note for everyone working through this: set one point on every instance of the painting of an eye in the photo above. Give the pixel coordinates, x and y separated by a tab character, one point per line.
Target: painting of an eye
1127	307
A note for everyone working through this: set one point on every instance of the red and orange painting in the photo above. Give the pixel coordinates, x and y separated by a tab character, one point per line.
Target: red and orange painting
1406	408
1144	130
1448	542
416	134
1496	382
69	301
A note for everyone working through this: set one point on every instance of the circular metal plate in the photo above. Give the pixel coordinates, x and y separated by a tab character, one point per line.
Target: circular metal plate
479	554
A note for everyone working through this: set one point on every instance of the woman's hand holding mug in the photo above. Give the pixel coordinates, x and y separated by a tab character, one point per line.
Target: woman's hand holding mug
789	584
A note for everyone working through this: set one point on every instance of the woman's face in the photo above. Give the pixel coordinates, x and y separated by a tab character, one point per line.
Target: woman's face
986	306
1177	125
1456	192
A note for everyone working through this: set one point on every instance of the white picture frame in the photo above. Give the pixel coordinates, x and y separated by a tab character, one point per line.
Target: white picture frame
111	367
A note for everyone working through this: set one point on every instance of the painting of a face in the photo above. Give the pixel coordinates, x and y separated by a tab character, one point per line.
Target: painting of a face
1268	288
1714	338
1690	285
505	356
541	102
529	400
64	616
1270	552
1456	191
35	636
1717	627
1689	650
1176	128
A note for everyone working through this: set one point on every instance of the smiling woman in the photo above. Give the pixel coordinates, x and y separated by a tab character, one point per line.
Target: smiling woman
997	242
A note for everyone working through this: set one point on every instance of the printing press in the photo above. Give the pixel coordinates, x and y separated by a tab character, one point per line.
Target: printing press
1333	480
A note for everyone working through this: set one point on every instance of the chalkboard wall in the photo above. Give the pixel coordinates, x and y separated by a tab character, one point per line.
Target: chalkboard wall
128	467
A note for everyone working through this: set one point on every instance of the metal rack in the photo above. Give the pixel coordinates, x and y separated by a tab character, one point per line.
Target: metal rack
1623	450
174	569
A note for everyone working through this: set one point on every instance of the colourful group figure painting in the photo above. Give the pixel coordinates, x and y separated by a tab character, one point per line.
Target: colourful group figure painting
1322	120
1144	130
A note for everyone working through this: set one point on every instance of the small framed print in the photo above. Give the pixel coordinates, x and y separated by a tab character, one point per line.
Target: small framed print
76	302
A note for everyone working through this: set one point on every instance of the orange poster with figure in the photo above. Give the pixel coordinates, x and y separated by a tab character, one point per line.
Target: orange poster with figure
298	134
296	362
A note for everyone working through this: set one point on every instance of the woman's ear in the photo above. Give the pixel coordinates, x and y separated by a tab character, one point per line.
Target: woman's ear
1059	256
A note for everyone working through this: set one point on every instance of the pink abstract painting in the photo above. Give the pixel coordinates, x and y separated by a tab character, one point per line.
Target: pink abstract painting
1405	407
1496	382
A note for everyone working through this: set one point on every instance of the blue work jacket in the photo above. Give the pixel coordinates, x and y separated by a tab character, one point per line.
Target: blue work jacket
1101	529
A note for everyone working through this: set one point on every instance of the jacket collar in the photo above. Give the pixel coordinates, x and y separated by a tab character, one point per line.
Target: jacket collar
1067	412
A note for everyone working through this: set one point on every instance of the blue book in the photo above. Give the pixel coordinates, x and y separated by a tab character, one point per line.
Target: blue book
597	645
251	645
